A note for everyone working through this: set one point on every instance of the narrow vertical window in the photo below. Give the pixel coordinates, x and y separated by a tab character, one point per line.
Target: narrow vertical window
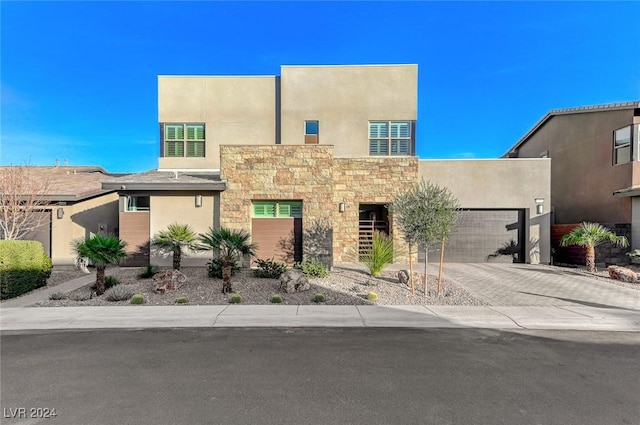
311	132
622	145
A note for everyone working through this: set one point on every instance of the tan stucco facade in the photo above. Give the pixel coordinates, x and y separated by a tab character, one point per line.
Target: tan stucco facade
499	184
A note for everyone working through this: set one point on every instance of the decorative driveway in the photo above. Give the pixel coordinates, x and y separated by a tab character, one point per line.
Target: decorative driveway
538	285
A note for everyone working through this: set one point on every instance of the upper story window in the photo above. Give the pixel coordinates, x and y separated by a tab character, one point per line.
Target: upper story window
181	139
311	132
622	145
277	209
390	138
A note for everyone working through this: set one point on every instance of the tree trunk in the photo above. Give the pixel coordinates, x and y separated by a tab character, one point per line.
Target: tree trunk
100	278
412	283
591	259
177	259
227	267
426	261
440	268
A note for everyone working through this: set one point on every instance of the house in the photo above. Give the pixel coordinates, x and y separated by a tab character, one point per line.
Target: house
73	205
595	171
309	161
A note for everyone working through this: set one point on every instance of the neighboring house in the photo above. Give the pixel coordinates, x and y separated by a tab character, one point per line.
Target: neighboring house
595	170
76	207
308	163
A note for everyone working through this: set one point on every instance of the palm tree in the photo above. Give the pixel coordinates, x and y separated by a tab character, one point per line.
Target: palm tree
590	235
177	239
102	250
231	246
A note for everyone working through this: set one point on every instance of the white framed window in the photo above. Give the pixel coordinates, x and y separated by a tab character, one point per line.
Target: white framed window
622	145
181	139
390	138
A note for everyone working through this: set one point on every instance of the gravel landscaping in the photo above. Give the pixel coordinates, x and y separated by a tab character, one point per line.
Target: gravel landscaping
344	286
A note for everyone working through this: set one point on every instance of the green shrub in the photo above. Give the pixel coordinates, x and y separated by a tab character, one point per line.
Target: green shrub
118	293
182	300
319	298
214	268
313	268
137	299
372	296
269	268
58	296
81	296
23	267
235	299
380	255
276	298
148	271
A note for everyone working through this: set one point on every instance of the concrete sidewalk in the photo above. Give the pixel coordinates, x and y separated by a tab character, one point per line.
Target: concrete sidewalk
565	318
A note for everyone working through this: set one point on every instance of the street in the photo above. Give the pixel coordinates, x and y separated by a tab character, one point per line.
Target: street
319	376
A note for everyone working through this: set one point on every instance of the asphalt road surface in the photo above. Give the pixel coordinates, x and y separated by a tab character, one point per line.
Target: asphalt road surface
319	376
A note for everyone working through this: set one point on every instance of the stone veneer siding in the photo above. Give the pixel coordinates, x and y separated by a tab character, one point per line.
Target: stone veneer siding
311	174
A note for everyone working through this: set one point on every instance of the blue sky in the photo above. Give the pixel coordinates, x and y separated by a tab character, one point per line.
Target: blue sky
78	79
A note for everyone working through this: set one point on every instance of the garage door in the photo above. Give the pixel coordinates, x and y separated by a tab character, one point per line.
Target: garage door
482	236
276	228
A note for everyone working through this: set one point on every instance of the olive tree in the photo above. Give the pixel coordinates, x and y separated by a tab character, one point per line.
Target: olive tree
426	213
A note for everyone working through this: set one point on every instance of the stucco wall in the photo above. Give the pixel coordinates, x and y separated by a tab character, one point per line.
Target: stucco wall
584	179
498	184
235	110
344	99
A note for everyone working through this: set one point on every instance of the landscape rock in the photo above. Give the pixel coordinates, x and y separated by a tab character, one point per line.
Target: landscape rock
294	280
168	280
622	273
403	277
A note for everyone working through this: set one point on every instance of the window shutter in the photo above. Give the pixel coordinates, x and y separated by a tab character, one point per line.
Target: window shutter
378	147
174	149
264	209
378	129
174	132
400	147
195	132
400	129
195	149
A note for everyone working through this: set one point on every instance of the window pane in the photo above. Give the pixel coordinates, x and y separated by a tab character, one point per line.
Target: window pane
195	149
311	127
399	147
195	132
378	147
264	209
378	129
174	149
623	155
623	136
400	129
174	132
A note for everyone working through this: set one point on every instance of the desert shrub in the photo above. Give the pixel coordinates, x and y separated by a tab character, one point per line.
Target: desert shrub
182	300
137	299
24	266
313	268
235	299
118	293
380	255
109	282
214	268
269	268
319	298
148	271
372	296
276	298
58	296
81	296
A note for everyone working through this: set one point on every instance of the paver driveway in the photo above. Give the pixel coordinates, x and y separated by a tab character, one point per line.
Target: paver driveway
538	285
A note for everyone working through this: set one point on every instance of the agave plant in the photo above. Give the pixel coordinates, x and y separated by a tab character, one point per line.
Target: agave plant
590	235
177	239
231	245
380	255
102	250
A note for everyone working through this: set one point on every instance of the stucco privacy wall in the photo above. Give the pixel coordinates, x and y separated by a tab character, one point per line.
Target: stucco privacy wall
499	184
312	175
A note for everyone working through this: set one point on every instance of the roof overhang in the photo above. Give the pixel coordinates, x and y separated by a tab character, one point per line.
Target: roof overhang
149	186
627	192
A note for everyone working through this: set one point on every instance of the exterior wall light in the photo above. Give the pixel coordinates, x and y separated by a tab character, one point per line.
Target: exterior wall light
539	205
60	213
341	207
198	201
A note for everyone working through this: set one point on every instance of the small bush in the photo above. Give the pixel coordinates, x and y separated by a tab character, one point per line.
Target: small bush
269	269
313	268
235	299
24	266
81	296
58	296
182	300
372	296
214	268
380	255
319	298
137	299
148	271
109	282
276	298
118	293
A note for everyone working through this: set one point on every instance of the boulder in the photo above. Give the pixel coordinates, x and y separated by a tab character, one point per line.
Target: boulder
622	273
403	277
294	281
168	280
